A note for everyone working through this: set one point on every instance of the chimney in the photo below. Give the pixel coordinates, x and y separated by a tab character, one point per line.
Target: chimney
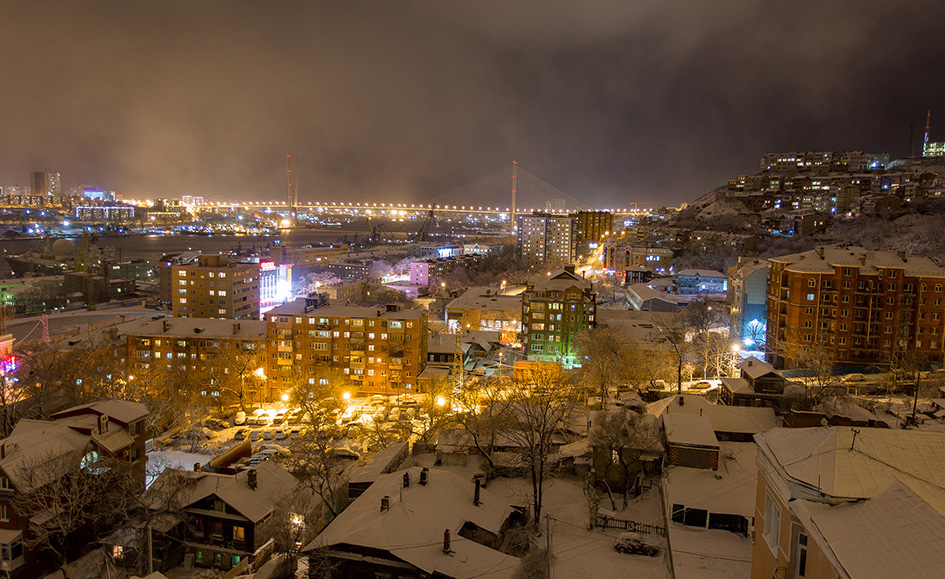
196	467
424	474
902	255
102	423
385	503
251	478
446	541
569	268
820	252
236	328
681	399
476	500
167	325
406	479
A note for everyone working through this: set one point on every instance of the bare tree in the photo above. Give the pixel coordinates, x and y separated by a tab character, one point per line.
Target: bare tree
627	435
484	407
606	359
67	500
295	522
673	331
539	406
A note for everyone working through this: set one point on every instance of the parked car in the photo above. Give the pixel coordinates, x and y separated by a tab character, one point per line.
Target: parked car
854	378
240	419
701	385
634	543
394	415
267	435
241	433
216	423
254	435
279	434
344	453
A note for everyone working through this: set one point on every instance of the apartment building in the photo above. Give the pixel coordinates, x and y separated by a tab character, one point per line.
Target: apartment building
230	356
379	350
555	309
619	255
214	286
545	238
590	228
862	306
748	294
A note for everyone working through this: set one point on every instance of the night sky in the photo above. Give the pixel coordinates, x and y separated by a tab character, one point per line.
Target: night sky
612	102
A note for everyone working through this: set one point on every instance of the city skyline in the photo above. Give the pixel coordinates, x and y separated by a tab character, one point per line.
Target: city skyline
610	103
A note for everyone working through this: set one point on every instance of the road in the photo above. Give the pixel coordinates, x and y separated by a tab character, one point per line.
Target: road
62	323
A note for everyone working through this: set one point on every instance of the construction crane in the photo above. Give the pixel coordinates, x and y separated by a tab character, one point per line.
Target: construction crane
423	233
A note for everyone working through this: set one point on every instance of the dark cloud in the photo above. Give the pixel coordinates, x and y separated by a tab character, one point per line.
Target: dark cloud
612	101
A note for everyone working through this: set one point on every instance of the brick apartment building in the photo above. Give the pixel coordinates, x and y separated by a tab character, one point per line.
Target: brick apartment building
381	350
864	306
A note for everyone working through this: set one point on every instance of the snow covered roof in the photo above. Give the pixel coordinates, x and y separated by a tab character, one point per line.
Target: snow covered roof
411	529
700	273
755	368
830	461
737	384
484	298
825	259
729	490
741	419
689	430
121	411
273	483
381	463
895	534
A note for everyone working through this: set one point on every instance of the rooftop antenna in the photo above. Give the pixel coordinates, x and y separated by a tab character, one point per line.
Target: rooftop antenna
928	125
852	442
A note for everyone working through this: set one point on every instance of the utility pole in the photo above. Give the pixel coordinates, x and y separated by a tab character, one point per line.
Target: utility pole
548	544
514	191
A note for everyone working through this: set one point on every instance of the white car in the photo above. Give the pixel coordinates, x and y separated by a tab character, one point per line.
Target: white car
240	418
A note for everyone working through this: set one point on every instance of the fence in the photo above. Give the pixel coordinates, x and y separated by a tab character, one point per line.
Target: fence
608	522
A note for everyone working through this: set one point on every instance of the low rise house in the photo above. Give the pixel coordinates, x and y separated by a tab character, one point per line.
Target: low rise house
758	384
690	441
220	520
418	523
701	281
849	502
729	423
41	459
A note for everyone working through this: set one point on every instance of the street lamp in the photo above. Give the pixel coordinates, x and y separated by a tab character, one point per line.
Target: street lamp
735	350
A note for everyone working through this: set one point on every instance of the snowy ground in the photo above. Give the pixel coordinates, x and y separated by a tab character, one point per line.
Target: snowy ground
709	554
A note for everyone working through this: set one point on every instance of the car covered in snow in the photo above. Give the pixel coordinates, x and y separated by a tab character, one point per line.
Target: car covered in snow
635	544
